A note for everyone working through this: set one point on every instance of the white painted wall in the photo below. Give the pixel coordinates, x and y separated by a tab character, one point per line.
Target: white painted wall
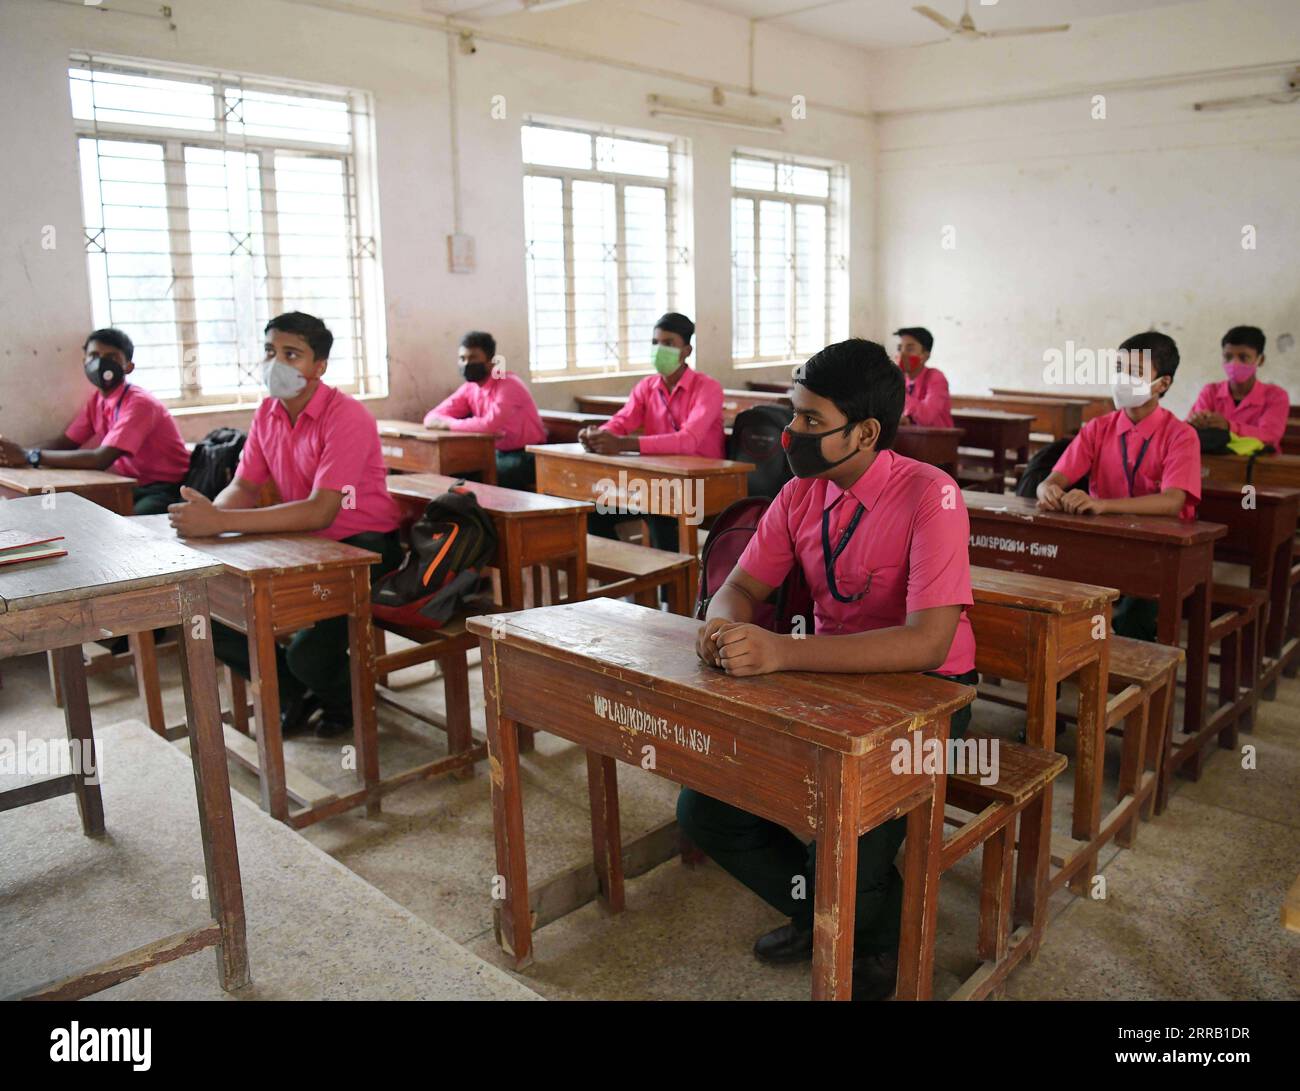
1069	228
44	298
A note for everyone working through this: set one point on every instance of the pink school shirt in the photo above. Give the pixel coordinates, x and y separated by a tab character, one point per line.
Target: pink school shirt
1172	459
927	401
910	551
1261	413
137	424
686	422
503	406
334	444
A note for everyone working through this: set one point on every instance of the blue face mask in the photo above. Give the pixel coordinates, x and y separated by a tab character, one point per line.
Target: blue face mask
282	381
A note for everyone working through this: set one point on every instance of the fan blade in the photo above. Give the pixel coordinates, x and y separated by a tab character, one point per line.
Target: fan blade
1016	32
933	15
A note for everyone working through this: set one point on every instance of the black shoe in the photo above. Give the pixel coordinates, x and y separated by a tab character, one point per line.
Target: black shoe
297	713
791	942
874	976
334	723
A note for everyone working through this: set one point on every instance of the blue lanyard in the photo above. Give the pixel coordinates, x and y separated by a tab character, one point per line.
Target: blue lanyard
829	558
117	411
1131	475
671	419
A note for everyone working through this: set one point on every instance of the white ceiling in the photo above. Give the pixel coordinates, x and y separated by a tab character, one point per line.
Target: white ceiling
868	24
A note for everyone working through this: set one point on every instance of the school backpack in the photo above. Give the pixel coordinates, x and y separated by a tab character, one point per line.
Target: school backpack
450	543
731	532
1038	467
756	438
214	460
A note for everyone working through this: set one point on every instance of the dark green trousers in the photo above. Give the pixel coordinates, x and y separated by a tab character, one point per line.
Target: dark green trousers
317	657
154	499
767	858
663	530
516	470
1136	618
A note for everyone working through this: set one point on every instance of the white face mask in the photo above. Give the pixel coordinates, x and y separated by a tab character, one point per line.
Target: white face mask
281	380
1128	392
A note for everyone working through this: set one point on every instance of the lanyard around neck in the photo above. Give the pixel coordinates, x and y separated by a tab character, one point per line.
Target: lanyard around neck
117	410
1131	475
667	409
829	558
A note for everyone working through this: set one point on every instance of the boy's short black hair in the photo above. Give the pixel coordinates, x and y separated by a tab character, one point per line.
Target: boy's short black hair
1250	336
478	339
1164	351
919	334
114	337
862	381
678	324
307	326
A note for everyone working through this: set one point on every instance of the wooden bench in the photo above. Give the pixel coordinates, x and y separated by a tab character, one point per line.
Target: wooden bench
1145	675
623	569
985	816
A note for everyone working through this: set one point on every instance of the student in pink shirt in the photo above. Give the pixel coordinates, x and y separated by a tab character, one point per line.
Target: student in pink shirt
321	448
1242	404
883	542
133	432
1139	460
678	412
491	399
928	403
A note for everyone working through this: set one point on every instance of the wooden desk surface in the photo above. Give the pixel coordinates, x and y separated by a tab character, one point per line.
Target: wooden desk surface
993	415
1058	417
33	482
685	465
1042	594
1098	401
1151	528
848	713
274	554
509	503
406	429
107	554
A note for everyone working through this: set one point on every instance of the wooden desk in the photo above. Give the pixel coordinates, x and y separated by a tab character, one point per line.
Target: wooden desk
117	579
733	402
997	431
532	529
412	448
111	491
660	484
1041	631
1166	559
563	426
937	446
274	584
811	751
1095	405
1056	417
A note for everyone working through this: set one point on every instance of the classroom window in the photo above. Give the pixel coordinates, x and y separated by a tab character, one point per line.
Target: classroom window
212	203
788	265
601	253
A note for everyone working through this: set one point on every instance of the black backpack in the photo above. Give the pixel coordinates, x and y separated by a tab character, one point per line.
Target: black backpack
450	543
1038	467
756	438
214	460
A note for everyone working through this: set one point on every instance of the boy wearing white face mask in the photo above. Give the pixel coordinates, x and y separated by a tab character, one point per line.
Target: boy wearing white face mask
1243	405
321	448
1139	460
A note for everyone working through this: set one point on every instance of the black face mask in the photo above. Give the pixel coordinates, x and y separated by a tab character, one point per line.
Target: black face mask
803	451
473	373
105	374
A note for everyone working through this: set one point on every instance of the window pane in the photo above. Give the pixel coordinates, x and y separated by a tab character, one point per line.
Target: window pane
742	278
753	173
595	274
631	157
810	278
774	279
645	228
556	147
544	265
141	100
292	117
804	181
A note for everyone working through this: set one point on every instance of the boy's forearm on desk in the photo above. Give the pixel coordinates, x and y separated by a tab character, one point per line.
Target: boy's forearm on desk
901	648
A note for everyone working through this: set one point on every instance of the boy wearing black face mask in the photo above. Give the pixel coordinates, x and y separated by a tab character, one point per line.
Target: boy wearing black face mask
135	434
883	542
491	399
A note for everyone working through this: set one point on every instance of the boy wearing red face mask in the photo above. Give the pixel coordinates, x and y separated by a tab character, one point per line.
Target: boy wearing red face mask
1242	404
927	403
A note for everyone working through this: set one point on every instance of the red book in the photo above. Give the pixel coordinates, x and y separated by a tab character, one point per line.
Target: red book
19	545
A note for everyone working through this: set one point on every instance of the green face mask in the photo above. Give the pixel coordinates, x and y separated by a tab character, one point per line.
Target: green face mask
666	359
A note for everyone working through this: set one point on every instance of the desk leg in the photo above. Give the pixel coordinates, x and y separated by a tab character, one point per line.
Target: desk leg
212	785
1198	649
606	837
512	597
266	700
1278	581
837	874
1090	762
921	895
1033	867
688	539
361	651
145	654
81	736
514	924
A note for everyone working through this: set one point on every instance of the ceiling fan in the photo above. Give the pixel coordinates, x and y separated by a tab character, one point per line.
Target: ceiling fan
966	28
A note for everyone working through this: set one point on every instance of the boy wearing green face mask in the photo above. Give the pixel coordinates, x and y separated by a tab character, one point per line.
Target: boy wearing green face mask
678	411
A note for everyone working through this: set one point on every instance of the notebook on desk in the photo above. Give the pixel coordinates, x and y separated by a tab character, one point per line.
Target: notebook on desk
17	546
